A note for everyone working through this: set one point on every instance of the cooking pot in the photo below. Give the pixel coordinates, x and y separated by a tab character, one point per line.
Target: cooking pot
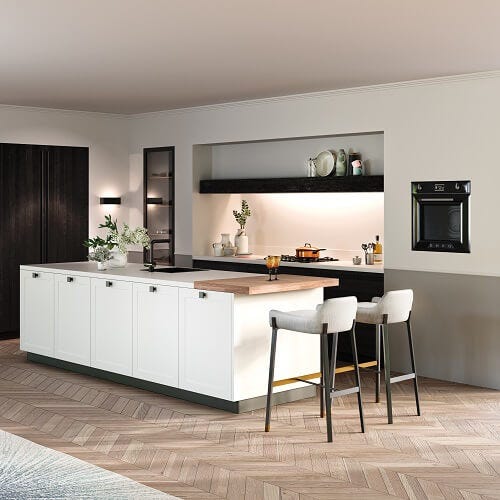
308	252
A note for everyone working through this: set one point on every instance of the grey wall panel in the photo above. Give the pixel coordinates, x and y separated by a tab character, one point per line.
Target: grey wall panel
456	326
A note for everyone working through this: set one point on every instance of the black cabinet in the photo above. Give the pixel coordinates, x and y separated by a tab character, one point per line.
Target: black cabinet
44	194
159	204
363	285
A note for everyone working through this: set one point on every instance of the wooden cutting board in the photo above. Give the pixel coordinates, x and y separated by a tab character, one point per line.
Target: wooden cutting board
259	284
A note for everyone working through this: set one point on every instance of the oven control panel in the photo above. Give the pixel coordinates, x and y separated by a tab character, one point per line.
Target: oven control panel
444	247
441	187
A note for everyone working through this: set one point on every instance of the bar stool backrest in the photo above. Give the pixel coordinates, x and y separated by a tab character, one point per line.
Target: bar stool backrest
338	313
396	305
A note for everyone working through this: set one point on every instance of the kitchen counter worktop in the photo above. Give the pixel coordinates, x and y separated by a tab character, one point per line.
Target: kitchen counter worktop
136	272
341	265
259	284
221	281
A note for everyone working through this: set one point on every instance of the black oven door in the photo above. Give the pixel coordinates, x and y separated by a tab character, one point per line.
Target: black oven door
441	222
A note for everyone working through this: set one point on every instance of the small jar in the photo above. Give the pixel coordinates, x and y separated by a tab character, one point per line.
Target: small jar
357	167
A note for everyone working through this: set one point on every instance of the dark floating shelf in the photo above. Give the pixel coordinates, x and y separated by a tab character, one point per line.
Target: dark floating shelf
348	184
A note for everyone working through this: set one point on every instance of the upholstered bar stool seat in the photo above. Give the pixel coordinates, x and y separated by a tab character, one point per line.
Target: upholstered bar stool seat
331	318
393	307
297	321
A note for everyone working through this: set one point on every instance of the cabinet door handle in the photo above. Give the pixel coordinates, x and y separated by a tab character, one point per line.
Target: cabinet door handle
202	295
35	275
152	289
70	279
109	283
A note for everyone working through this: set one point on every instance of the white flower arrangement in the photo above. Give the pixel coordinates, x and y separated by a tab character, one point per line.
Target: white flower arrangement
100	254
137	236
119	239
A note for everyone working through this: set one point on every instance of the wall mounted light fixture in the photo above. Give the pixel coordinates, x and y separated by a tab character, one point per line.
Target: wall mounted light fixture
154	201
109	200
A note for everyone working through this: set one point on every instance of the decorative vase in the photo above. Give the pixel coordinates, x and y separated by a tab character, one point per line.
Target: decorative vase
102	266
226	242
241	242
118	259
341	166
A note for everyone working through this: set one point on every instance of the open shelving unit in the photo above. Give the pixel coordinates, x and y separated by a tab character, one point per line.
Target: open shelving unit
346	184
159	173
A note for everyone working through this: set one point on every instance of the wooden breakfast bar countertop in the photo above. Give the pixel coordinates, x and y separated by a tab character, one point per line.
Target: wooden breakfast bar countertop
259	284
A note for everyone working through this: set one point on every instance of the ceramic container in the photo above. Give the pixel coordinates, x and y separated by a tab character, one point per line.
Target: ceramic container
218	249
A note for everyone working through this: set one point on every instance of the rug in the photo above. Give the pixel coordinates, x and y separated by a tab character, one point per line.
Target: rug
31	471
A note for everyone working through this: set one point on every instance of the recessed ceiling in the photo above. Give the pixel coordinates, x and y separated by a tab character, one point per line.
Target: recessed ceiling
130	56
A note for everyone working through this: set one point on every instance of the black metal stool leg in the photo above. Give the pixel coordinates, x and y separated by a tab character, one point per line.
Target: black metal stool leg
333	359
271	375
321	386
327	384
378	341
387	365
413	368
356	374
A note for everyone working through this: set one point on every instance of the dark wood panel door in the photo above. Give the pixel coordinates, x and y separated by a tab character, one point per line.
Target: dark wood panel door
67	221
20	223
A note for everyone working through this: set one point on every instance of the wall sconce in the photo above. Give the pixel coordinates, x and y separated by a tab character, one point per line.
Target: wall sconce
110	200
155	201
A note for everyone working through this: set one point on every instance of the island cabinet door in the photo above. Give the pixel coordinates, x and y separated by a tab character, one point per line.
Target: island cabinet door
37	312
72	318
111	325
206	342
156	334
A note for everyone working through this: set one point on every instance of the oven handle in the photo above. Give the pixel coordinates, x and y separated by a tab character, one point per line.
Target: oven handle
437	199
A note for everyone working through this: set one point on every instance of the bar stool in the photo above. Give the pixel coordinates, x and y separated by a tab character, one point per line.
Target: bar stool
393	307
331	318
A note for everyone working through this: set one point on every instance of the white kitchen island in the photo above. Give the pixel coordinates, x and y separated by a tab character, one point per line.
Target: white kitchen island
167	333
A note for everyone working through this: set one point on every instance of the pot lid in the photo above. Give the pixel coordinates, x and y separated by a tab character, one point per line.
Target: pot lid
307	246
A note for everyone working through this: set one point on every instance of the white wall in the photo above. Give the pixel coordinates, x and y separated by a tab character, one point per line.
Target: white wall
289	158
436	129
104	135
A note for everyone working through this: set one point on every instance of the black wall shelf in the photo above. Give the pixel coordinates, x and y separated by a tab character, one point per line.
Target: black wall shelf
348	184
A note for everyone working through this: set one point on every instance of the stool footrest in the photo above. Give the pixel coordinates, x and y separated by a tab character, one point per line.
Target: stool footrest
308	382
305	378
344	392
400	378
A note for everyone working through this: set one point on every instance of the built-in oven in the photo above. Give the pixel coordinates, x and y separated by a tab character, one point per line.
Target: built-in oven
440	213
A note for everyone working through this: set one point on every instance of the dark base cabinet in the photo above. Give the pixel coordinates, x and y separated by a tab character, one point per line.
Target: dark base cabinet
362	285
44	206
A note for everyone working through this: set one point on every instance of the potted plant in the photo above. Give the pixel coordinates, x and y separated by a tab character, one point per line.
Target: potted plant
241	238
117	240
101	255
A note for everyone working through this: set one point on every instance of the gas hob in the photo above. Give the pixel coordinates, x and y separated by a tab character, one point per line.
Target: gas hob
306	260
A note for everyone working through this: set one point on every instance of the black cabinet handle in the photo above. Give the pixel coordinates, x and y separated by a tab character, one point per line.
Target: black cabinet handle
109	283
35	275
152	289
70	279
202	295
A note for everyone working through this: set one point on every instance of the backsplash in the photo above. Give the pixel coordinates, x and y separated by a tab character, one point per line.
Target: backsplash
339	222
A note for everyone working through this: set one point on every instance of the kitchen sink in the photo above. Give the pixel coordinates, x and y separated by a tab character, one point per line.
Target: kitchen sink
173	269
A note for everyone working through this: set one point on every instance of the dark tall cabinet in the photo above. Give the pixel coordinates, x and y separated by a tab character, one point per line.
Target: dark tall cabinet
44	192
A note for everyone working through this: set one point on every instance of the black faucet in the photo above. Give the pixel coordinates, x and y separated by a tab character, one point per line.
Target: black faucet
151	265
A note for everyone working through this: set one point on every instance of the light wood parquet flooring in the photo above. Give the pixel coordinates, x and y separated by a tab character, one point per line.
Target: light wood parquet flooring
195	452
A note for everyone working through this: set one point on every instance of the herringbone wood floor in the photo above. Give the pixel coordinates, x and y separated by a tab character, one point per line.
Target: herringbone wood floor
452	451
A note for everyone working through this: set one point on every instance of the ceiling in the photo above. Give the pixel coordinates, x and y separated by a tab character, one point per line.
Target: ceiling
131	56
